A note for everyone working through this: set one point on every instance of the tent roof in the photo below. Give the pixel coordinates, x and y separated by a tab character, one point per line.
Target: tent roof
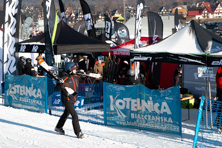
67	40
192	44
168	24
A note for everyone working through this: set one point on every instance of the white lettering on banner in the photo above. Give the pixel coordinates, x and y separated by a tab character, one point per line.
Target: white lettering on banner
203	89
116	36
22	48
35	48
48	6
24	91
138	25
151	126
143	118
32	101
57	101
138	105
142	58
88	21
25	106
116	52
122	41
211	76
183	59
216	62
155	38
107	31
9	39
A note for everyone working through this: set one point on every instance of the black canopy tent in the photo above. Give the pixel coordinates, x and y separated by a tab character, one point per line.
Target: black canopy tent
67	40
191	45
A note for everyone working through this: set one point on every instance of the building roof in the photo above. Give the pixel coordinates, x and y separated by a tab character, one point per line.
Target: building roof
207	6
193	13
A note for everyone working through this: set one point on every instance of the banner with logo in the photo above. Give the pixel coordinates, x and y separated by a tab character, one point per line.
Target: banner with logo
196	84
11	34
26	92
155	25
136	106
88	19
108	27
50	27
56	100
138	22
121	33
62	10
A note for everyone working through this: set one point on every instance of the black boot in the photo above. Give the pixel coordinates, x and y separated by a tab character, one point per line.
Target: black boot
60	131
80	135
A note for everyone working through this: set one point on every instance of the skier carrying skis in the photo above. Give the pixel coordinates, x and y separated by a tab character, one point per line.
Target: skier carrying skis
69	90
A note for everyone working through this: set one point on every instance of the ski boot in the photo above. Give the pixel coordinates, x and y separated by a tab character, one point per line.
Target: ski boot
60	131
80	135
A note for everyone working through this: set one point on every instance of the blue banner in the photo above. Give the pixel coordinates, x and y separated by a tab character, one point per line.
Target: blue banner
56	100
26	92
139	107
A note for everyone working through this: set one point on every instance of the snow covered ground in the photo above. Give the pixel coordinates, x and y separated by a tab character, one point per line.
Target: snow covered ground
21	128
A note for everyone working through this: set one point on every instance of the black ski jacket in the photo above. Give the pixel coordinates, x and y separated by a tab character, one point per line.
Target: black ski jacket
29	69
71	81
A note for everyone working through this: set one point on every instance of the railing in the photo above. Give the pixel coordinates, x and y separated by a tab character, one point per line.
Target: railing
209	124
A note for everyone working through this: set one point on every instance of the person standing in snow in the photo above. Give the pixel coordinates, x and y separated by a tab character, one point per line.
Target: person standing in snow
69	90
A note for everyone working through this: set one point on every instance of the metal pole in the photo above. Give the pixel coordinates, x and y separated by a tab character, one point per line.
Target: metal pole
206	95
209	88
124	15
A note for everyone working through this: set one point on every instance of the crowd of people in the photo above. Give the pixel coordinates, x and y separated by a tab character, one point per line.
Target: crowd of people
118	70
25	66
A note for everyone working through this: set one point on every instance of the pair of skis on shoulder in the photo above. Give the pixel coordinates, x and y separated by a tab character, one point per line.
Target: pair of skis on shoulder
50	70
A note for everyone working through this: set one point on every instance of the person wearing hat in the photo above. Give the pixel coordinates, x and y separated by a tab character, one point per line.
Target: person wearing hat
123	72
130	80
82	64
21	65
40	57
178	76
29	69
98	67
40	69
69	92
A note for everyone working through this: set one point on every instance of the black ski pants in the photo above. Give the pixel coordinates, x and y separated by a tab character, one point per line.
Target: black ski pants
69	109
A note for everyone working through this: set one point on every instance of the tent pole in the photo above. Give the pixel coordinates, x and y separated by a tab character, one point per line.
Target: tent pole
206	94
209	88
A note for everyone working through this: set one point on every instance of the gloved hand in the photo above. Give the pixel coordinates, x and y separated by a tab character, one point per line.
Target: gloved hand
69	90
61	81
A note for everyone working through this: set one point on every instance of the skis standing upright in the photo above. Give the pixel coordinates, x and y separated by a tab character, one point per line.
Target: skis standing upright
112	69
